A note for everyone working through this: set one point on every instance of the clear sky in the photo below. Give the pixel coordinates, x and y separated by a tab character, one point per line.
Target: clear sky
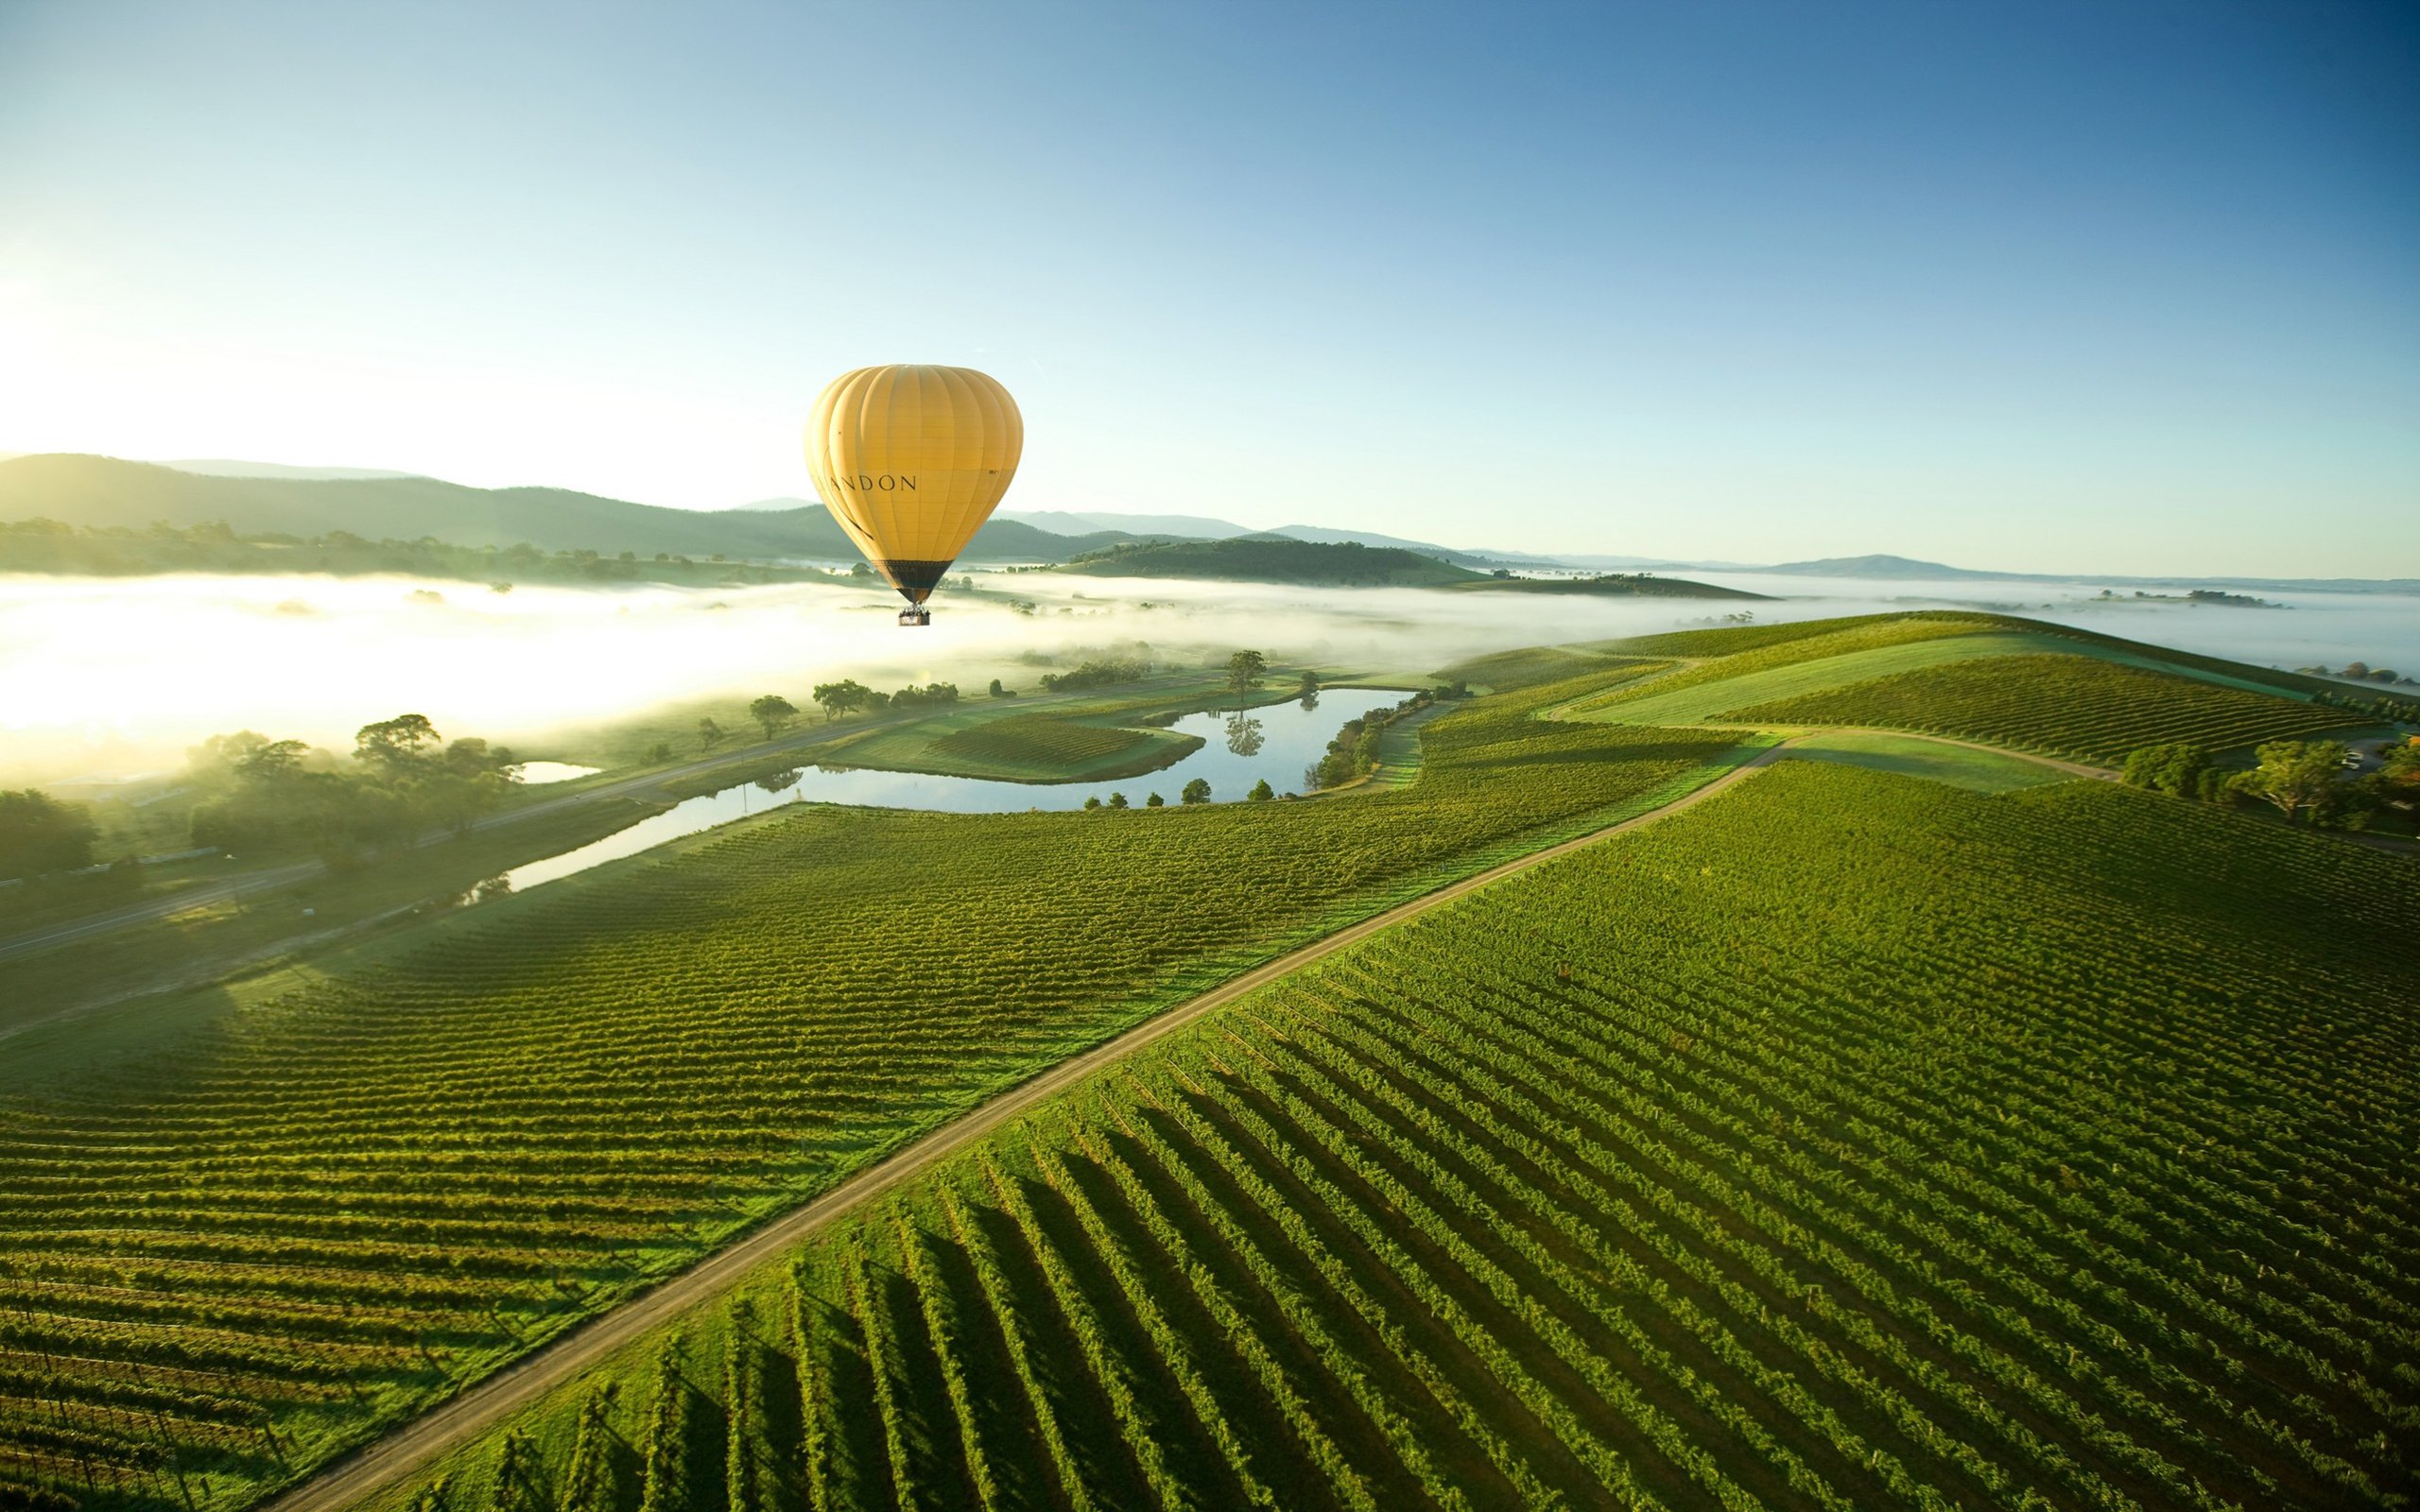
2099	287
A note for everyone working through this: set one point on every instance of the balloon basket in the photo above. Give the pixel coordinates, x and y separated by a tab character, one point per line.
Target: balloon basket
915	617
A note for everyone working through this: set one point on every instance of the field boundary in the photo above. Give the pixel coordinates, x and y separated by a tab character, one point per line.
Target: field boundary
378	1464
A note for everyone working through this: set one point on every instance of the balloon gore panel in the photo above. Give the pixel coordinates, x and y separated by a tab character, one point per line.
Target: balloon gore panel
911	460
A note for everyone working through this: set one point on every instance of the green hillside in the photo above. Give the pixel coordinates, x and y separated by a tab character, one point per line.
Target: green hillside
1848	1143
393	1172
1273	559
1981	677
1610	585
2068	705
1351	564
104	491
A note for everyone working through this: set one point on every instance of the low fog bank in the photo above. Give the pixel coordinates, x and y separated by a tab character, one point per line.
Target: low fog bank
116	677
2307	628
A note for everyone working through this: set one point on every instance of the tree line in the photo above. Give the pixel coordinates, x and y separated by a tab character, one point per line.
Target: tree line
403	779
2308	780
50	547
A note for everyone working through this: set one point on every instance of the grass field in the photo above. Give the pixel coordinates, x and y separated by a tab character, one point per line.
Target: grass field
1847	1143
1977	771
302	1220
2070	706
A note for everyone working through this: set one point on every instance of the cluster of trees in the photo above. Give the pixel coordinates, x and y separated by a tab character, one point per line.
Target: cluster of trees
848	696
405	780
1355	749
41	834
1197	791
2359	672
1103	673
2307	781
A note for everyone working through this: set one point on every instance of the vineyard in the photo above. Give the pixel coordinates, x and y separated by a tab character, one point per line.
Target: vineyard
1975	676
1064	745
1847	1143
223	1264
2070	706
1038	741
1525	668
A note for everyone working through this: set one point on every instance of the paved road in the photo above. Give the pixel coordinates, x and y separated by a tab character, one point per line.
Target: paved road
399	1454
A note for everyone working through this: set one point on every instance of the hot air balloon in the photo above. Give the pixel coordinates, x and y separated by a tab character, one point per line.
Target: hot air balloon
911	459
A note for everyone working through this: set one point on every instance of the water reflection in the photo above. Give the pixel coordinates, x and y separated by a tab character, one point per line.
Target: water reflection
1244	735
1282	741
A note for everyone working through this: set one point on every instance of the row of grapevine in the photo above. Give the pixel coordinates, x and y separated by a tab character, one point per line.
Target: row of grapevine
2074	706
218	1265
1843	1143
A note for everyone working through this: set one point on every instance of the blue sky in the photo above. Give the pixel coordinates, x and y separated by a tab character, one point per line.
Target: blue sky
2096	287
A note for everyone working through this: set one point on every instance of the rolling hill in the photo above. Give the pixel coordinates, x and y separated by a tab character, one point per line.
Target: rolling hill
1278	559
106	491
1272	559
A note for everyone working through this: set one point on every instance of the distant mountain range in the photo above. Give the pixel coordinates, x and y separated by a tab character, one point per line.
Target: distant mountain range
263	497
1884	566
1076	523
105	491
224	468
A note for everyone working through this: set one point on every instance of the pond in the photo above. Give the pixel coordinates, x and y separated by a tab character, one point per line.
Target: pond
536	774
1274	742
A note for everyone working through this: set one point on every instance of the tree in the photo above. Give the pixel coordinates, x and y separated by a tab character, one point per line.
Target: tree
709	735
2170	768
839	697
1243	671
1261	792
1155	802
774	712
660	751
2294	774
39	834
998	691
1092	801
1197	791
1118	801
395	745
270	760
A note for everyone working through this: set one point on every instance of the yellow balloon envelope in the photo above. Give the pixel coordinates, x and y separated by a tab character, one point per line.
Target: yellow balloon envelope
911	460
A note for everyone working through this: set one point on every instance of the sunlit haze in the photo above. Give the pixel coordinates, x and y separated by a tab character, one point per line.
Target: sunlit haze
104	678
2066	287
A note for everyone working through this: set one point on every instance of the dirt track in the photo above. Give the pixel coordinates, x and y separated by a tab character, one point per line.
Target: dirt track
398	1455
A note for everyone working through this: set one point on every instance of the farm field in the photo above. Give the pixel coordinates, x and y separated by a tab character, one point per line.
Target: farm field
1017	747
1525	668
1847	1142
2068	705
357	1186
1983	677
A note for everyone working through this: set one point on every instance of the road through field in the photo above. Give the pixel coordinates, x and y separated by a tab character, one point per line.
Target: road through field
397	1454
